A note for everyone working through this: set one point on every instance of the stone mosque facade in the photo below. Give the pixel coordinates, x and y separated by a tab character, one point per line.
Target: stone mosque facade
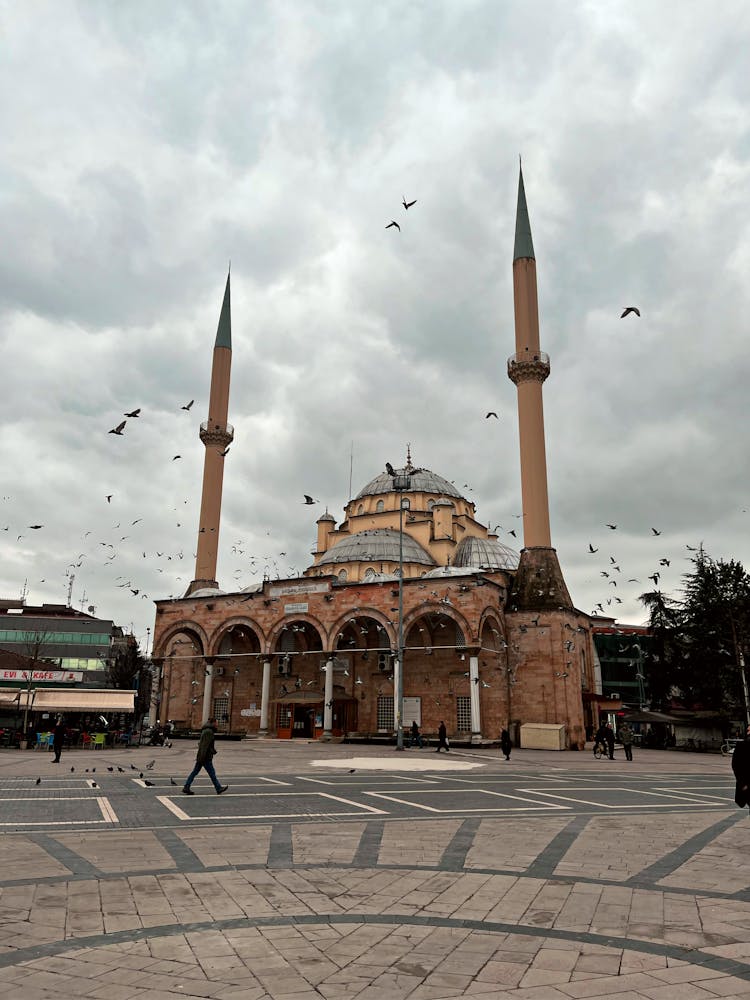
491	638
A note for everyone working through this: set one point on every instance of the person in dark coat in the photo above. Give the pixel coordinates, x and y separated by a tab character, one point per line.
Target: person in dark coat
505	744
600	738
58	738
609	735
204	759
626	738
741	768
416	738
442	738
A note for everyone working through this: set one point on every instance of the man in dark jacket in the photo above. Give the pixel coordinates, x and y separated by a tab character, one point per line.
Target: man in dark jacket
741	768
442	738
58	738
204	759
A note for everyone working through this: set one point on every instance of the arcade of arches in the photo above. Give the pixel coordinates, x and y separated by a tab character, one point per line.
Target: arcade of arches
314	656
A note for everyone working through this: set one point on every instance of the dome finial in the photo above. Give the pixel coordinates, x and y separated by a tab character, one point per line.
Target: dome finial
408	455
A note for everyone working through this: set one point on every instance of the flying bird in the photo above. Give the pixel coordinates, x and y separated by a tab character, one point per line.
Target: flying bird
187	405
225	453
133	413
389	469
512	532
176	457
109	497
309	500
612	526
655	578
655	531
492	414
35	527
630	309
591	548
119	429
407	204
392	223
664	562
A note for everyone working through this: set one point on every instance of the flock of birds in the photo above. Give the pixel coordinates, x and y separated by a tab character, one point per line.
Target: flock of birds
121	770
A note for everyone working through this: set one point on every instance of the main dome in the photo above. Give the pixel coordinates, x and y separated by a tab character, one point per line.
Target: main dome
422	481
376	545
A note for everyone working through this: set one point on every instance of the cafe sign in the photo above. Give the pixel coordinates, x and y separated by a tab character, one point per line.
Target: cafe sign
41	676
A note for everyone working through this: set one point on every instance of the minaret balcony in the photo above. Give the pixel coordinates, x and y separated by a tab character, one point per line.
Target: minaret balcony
528	366
215	434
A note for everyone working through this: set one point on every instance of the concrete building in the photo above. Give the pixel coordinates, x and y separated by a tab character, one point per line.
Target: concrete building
490	638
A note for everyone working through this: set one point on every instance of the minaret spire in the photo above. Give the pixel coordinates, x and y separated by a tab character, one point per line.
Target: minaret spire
216	435
528	368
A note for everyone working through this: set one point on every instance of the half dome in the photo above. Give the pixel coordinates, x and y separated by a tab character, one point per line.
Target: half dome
485	553
376	545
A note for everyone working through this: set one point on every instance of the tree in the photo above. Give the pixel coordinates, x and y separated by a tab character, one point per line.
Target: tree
127	668
701	640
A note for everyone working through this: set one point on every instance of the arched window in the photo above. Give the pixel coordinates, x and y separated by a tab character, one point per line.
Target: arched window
369	573
379	506
430	504
361	509
405	503
342	576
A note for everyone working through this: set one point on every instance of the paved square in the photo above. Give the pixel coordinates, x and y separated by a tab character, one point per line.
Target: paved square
551	877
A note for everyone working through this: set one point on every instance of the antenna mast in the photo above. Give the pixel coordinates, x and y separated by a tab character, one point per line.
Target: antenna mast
351	467
71	578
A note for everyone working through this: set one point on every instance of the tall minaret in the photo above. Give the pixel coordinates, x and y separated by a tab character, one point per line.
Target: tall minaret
216	434
539	582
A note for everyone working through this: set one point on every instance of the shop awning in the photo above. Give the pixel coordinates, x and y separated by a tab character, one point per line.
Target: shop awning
645	716
9	697
78	700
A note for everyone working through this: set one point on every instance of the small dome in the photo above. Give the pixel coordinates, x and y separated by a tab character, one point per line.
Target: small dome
326	517
254	588
450	571
378	545
422	481
208	592
485	553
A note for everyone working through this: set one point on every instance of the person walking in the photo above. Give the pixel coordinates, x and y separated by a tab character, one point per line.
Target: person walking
204	759
600	739
626	738
741	768
442	738
58	738
505	744
416	738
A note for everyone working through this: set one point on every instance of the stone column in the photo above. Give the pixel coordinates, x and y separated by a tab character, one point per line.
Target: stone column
328	701
397	682
265	692
157	677
208	683
476	719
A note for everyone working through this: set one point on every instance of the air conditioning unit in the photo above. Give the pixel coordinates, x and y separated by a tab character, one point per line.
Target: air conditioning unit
285	666
382	661
615	696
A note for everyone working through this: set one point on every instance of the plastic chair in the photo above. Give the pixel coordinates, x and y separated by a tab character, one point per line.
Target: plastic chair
86	741
97	740
41	741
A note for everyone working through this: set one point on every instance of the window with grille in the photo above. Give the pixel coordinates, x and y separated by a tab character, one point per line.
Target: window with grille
385	712
283	717
463	713
221	710
460	638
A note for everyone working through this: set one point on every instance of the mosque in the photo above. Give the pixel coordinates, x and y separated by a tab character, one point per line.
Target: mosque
412	609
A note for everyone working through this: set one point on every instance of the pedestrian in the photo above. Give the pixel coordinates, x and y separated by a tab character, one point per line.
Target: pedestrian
505	744
626	738
58	738
609	735
442	738
204	759
415	735
741	768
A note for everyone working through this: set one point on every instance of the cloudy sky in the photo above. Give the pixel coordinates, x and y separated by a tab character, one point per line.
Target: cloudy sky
145	145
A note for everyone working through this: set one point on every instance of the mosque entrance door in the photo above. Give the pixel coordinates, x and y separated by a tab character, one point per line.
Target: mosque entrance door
304	720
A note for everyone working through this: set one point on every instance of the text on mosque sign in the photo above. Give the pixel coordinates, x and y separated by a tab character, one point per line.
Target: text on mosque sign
298	588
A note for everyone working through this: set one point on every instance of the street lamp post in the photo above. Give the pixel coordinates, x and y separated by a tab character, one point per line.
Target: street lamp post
400	484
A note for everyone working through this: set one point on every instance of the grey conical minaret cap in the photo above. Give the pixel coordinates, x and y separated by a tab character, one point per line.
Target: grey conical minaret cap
524	246
224	331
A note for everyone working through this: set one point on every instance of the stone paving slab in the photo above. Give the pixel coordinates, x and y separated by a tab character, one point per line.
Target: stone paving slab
638	904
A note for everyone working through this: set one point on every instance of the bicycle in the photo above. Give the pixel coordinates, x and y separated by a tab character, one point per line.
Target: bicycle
727	749
600	750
